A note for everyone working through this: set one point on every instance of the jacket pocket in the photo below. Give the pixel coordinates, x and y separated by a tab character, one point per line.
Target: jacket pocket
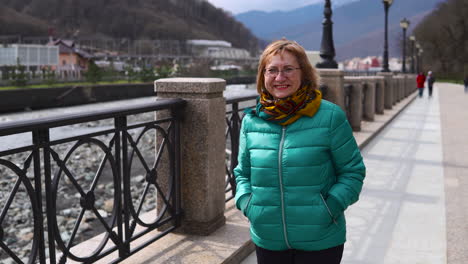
247	205
328	210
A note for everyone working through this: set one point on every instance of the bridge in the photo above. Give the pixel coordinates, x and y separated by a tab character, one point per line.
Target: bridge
159	190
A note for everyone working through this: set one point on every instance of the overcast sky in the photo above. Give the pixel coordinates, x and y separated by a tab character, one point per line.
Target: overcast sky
240	6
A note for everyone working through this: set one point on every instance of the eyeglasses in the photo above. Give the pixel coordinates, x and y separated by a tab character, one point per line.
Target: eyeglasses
273	72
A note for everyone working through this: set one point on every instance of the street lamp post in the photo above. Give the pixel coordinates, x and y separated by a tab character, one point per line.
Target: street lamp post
404	24
327	49
420	60
418	53
413	40
387	4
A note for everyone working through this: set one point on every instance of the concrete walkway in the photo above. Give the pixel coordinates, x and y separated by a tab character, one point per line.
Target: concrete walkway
413	208
454	117
400	217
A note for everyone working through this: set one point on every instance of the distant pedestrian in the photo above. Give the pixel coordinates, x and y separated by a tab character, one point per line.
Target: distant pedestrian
420	80
466	83
430	82
299	164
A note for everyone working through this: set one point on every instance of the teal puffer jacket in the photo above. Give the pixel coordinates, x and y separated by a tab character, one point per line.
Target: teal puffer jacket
294	182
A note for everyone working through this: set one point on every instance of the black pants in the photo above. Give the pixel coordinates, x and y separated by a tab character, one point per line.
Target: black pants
430	89
292	256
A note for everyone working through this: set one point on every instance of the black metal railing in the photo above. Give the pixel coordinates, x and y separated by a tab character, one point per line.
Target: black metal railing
324	89
109	175
348	88
365	87
234	115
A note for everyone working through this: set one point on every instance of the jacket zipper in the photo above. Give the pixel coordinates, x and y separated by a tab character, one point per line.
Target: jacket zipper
328	209
280	155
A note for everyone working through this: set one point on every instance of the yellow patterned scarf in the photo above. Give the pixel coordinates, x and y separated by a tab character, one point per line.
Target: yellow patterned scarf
285	111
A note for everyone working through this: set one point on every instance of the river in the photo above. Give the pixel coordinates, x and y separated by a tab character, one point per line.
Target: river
24	139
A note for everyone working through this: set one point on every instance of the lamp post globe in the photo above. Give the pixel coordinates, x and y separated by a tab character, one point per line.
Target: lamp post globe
404	24
387	4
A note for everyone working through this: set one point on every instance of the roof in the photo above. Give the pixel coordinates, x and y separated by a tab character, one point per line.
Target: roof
68	46
211	43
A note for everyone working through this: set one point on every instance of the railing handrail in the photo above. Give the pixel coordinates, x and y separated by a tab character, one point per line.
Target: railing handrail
14	127
250	95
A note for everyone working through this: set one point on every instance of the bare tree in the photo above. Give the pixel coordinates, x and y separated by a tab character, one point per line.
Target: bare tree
443	35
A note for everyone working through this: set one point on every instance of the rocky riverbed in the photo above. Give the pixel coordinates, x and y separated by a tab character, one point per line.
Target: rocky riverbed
83	165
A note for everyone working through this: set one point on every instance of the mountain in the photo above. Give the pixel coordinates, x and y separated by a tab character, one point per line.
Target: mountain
131	19
266	24
372	43
356	25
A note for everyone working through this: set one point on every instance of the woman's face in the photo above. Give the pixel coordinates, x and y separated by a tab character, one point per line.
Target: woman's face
282	75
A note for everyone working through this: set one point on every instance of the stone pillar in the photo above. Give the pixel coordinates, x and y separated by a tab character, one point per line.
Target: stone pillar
397	80
411	79
369	99
388	88
379	94
403	80
355	102
333	79
394	86
409	84
402	87
405	86
202	151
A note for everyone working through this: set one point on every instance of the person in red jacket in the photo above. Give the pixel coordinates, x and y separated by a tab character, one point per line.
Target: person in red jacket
420	79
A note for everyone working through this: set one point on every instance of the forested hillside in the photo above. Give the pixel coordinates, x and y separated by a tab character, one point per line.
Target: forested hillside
443	36
132	19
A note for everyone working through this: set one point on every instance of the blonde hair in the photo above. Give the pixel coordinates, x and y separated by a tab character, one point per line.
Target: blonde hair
309	73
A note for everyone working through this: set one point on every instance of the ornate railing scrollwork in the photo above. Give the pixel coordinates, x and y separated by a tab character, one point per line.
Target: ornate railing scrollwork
86	184
233	123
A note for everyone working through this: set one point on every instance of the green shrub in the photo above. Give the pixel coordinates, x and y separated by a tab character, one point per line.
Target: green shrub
19	76
94	73
147	74
48	75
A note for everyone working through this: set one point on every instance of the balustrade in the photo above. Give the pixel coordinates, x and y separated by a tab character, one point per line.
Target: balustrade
125	193
86	174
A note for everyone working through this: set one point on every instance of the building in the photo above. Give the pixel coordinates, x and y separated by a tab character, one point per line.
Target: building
29	55
219	50
72	60
371	63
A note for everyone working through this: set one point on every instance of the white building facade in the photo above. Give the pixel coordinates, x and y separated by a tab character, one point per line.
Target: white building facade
29	55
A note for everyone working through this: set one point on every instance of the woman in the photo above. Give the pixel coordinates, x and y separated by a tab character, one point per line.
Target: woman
430	82
420	80
299	164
